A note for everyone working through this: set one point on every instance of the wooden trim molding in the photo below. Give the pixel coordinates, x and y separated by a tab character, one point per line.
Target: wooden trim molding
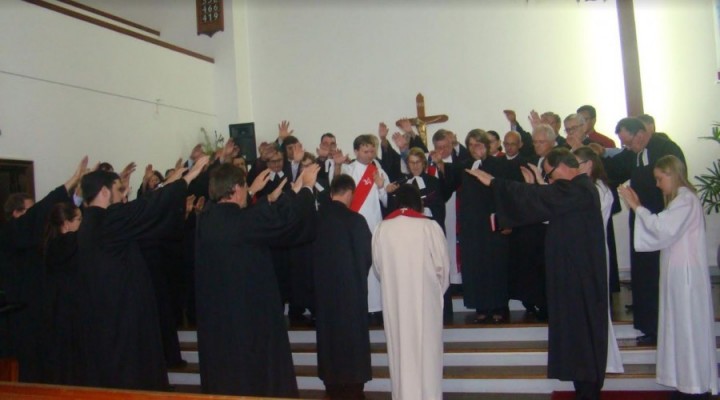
110	16
630	57
106	25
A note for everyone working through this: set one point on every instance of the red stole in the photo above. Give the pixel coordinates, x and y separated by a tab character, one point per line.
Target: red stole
363	187
408	212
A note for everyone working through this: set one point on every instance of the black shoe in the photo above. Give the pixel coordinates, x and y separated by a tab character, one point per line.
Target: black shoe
648	340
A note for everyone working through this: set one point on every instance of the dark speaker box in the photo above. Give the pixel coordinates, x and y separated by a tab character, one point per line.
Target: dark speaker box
244	136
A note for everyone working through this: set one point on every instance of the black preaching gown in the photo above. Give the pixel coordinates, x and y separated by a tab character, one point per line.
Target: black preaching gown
119	324
341	260
483	252
60	333
645	266
242	335
21	277
575	270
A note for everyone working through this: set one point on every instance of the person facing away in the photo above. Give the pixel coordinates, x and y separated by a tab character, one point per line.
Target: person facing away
118	325
343	337
411	260
576	279
242	334
686	354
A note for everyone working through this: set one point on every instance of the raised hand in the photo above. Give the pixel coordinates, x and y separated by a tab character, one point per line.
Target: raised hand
401	141
379	179
481	176
260	181
511	117
228	151
127	171
536	175
175	175
200	205
196	169
383	131
272	197
339	157
284	130
179	163
81	170
629	196
307	177
534	119
189	204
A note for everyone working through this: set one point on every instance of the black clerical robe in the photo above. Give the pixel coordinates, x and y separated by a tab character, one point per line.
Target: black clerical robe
575	269
119	325
341	260
483	250
21	277
645	266
527	253
60	338
242	335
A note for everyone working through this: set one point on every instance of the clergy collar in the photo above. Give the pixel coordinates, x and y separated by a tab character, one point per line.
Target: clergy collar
407	212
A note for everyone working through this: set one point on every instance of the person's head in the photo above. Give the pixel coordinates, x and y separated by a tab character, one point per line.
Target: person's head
632	134
589	117
494	139
169	172
575	126
553	120
365	148
106	166
342	189
239	161
408	196
416	161
63	218
442	141
196	152
227	185
308	159
17	205
275	160
102	188
560	164
155	179
671	174
328	140
290	143
512	143
477	143
648	121
589	163
543	137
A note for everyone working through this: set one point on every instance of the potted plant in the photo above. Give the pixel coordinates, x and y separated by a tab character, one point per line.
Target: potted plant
709	183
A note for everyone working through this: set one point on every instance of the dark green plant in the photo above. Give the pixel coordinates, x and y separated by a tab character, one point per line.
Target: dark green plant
709	183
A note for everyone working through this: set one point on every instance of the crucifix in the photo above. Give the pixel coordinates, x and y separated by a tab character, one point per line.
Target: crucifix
421	121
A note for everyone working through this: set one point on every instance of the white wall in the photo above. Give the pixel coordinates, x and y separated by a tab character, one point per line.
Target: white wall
345	66
88	90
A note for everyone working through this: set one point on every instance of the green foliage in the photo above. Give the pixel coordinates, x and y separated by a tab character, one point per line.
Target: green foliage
709	183
210	146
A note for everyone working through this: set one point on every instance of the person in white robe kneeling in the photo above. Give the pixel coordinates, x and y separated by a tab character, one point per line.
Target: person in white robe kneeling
411	261
686	356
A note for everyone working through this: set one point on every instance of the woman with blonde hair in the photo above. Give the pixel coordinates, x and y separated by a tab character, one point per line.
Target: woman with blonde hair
686	354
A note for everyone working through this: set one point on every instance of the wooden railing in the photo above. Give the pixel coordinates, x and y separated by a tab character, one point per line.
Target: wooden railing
27	391
116	28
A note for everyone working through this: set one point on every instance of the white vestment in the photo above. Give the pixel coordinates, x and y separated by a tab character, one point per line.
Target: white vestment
373	215
686	353
614	359
410	257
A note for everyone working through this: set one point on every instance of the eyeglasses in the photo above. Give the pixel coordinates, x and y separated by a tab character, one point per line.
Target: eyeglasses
548	176
572	128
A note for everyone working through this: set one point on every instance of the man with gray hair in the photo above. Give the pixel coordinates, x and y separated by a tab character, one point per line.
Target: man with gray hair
543	139
576	133
553	120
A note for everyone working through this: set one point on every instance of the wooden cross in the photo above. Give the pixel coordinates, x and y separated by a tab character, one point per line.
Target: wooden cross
421	121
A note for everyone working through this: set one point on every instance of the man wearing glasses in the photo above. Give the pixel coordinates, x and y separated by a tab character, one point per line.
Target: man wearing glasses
575	263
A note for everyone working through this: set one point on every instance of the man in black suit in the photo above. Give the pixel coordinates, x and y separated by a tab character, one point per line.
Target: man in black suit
635	162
